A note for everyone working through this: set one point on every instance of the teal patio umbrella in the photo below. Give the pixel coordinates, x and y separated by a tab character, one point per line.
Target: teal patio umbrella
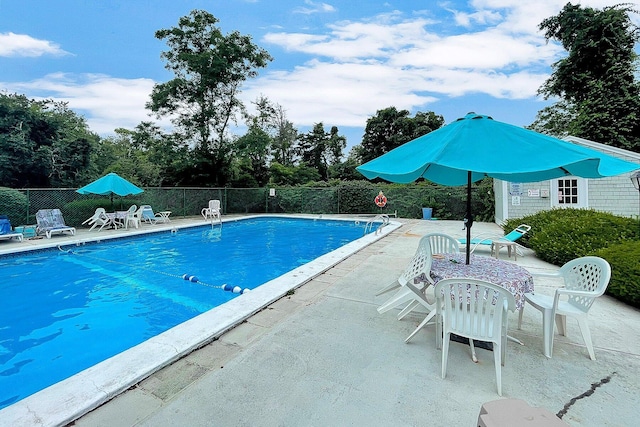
110	184
476	146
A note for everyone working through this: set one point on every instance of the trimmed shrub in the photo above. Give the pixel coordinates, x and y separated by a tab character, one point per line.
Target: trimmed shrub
14	205
560	235
76	212
625	271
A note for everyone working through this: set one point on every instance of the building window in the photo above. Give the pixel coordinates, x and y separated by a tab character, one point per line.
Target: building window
567	191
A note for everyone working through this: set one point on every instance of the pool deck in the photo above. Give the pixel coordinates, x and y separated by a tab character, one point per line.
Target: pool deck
324	356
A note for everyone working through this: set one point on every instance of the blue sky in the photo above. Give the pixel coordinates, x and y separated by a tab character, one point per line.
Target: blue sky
336	62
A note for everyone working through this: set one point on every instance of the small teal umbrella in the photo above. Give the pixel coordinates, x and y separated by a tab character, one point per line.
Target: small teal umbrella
109	185
476	146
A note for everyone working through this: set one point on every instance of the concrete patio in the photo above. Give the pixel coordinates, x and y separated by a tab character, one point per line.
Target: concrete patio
324	356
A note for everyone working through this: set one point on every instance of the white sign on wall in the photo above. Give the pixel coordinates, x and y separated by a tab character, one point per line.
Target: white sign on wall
515	188
515	200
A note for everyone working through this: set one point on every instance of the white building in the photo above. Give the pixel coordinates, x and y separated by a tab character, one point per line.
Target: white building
616	195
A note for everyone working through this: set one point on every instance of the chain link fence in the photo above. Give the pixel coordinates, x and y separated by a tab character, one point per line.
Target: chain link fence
353	198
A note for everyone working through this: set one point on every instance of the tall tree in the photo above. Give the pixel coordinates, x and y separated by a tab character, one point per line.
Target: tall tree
596	82
253	148
319	149
202	99
390	128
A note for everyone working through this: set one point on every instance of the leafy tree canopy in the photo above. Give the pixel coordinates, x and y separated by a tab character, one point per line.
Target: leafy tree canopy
42	143
390	128
209	69
596	83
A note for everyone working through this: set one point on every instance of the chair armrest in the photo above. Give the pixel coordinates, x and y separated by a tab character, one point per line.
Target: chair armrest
563	291
546	274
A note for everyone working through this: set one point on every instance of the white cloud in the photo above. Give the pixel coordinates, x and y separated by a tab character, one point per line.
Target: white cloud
362	66
353	68
106	102
314	7
16	45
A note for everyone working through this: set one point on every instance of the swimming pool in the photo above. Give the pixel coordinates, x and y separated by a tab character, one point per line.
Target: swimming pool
147	268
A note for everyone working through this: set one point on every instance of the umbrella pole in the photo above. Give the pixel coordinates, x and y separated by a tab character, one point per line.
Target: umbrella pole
469	219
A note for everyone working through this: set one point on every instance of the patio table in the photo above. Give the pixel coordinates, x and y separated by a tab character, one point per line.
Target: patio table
510	276
117	218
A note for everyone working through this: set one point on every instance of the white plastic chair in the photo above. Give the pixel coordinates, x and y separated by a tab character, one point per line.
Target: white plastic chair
443	244
212	212
133	217
439	243
99	218
474	309
413	293
419	266
585	279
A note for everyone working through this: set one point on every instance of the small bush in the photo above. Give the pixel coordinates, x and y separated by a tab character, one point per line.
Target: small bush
625	271
14	205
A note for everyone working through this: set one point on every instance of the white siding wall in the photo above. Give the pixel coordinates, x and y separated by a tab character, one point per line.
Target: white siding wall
615	195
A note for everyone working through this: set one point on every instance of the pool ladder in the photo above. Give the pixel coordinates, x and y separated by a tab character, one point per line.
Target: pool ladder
370	224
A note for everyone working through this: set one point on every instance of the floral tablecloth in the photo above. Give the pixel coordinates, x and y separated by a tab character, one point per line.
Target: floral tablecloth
504	273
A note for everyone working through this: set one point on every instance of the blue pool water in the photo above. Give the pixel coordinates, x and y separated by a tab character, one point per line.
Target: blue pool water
66	310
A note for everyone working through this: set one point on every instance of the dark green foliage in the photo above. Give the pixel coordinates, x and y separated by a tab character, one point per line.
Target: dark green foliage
625	271
407	200
42	143
357	196
304	200
560	235
76	212
14	205
391	128
596	83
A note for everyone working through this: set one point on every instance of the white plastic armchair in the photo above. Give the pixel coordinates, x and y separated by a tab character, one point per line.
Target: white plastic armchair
413	283
133	217
439	244
212	212
418	267
99	218
474	309
585	279
443	243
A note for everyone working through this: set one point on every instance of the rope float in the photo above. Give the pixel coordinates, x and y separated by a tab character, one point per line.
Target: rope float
187	277
225	287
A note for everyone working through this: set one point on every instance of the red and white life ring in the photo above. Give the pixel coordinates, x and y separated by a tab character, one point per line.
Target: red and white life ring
381	200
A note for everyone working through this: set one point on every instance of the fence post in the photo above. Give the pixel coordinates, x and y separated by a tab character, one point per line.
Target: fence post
28	207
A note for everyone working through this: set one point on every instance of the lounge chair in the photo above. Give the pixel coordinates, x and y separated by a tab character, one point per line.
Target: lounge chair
488	239
6	232
147	215
50	221
99	218
213	211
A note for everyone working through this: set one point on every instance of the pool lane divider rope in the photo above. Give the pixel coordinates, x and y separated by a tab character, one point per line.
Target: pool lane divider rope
188	277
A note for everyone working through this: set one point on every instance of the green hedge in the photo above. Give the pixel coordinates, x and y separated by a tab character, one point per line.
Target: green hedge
560	235
625	271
